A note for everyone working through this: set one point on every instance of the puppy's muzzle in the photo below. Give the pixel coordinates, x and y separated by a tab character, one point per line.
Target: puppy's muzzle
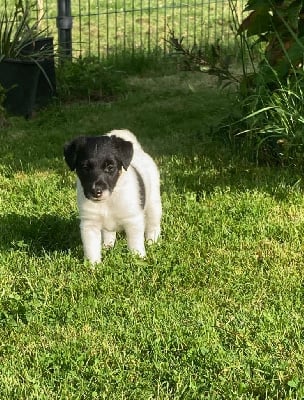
96	192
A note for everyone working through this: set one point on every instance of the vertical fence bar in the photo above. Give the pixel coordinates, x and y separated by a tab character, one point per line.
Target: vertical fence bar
64	25
98	29
157	25
208	24
194	23
215	23
187	25
222	21
115	27
107	27
47	15
124	27
80	28
89	26
141	24
180	17
172	23
132	29
149	27
202	38
165	26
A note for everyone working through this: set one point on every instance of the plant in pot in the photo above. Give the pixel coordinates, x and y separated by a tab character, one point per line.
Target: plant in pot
3	116
27	69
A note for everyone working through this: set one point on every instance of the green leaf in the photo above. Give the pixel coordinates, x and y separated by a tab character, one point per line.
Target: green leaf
292	14
293	383
258	5
256	23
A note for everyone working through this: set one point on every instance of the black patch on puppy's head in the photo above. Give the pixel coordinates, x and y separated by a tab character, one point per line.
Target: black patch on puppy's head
98	161
124	149
71	149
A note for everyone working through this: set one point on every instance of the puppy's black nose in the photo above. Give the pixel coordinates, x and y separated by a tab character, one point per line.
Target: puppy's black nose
96	192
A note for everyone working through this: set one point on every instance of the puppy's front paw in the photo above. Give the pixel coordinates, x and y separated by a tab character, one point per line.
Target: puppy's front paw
139	253
92	260
137	247
108	238
153	235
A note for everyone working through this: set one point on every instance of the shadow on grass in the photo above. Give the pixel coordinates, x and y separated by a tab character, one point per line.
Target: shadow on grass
38	235
211	166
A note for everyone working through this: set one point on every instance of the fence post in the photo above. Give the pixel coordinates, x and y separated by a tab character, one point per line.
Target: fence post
64	25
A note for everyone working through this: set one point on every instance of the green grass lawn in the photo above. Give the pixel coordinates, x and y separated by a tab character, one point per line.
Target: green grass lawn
215	311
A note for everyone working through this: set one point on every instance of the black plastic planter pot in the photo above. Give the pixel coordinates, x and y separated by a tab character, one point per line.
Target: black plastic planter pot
29	84
46	88
20	79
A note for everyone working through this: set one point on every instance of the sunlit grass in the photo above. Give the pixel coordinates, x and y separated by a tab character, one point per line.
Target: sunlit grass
216	309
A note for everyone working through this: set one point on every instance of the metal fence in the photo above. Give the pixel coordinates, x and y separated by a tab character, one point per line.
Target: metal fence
106	27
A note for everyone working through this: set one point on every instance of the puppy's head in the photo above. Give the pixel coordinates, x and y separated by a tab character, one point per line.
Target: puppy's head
98	162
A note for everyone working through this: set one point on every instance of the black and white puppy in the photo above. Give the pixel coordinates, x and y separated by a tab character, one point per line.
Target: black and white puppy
117	189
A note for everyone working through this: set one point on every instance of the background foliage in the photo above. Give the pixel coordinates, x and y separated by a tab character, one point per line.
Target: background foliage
270	92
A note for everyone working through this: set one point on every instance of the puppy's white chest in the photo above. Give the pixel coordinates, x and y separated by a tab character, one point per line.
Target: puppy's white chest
104	214
108	219
100	213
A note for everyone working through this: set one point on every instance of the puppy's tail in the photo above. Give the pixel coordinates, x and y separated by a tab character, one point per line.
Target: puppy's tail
126	135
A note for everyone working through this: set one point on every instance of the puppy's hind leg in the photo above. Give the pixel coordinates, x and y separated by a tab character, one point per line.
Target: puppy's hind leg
152	222
135	236
108	238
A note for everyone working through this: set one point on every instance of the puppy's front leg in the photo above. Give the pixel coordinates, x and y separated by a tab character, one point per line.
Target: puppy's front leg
91	240
108	238
135	237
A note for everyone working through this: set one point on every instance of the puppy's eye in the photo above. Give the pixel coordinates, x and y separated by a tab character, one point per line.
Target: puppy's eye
85	165
109	168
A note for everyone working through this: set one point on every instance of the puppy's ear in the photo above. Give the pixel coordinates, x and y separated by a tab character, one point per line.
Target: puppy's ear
71	149
124	150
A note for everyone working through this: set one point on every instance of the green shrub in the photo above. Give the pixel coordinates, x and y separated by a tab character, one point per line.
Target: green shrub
143	63
269	122
272	126
280	26
88	79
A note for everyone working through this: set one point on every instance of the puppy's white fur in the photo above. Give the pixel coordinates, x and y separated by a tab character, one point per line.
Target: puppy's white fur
122	210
